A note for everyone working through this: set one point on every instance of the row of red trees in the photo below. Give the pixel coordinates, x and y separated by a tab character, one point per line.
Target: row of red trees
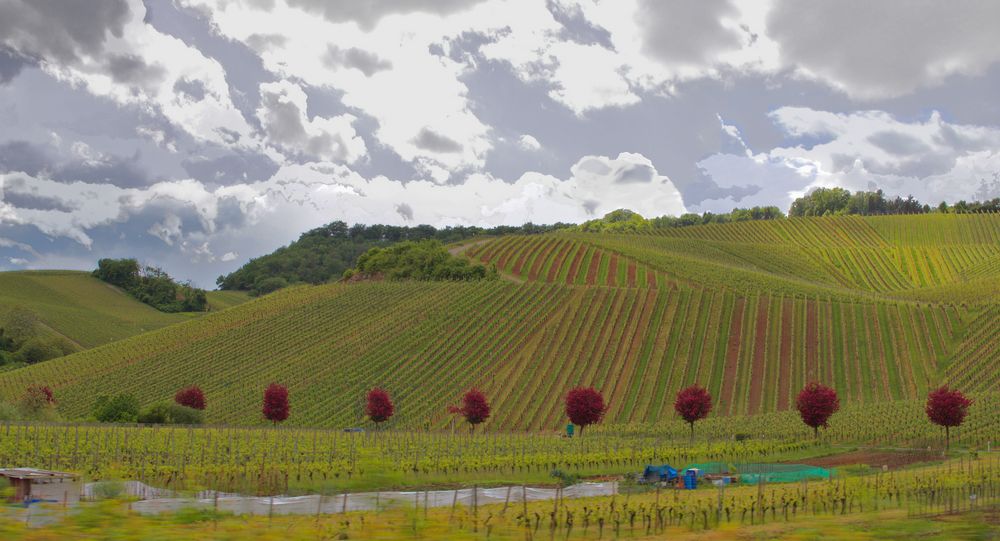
585	406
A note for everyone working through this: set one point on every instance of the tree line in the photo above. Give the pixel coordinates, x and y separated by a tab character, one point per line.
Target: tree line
151	285
326	253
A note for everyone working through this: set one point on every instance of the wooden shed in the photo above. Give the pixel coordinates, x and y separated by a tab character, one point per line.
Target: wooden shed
32	484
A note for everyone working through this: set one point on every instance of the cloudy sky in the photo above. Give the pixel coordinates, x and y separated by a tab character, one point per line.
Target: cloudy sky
196	134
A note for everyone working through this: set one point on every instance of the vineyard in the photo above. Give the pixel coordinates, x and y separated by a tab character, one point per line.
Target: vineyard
753	318
289	461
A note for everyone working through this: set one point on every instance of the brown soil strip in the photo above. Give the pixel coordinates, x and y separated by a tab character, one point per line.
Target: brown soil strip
732	357
875	459
557	263
650	277
759	346
595	264
522	257
785	356
612	279
812	342
630	274
574	267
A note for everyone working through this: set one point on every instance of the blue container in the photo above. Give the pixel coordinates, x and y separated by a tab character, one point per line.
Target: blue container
690	480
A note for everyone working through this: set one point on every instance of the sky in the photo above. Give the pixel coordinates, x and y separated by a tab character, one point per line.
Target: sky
197	134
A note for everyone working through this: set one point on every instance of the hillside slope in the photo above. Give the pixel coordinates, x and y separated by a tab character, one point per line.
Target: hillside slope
87	311
637	316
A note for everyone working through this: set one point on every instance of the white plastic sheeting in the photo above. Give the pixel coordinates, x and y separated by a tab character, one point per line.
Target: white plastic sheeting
369	501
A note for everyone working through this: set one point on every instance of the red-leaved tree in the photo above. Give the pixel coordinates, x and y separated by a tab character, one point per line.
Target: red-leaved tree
191	397
36	400
816	403
693	404
474	408
379	406
584	406
276	403
947	408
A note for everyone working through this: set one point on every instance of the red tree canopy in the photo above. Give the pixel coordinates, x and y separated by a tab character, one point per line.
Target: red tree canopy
947	408
379	407
276	403
191	397
816	403
474	408
584	406
693	403
40	394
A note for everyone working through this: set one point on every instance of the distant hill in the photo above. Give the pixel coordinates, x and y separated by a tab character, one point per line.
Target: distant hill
752	310
87	311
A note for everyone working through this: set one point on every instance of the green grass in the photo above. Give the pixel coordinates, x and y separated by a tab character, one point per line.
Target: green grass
80	307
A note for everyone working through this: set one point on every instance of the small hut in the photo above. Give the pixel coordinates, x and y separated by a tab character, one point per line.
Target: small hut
34	485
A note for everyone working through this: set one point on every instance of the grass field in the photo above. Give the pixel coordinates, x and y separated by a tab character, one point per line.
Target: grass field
752	317
87	311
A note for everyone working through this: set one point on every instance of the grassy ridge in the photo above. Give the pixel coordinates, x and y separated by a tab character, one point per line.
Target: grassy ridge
87	311
80	307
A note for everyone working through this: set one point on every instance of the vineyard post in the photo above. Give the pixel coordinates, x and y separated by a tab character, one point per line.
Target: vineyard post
454	503
319	506
506	501
524	506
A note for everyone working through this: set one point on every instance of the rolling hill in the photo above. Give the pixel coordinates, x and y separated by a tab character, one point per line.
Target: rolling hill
752	310
87	311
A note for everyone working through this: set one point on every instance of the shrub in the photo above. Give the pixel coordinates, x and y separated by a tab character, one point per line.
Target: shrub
38	404
269	285
36	350
9	413
947	408
816	403
172	414
584	406
474	407
121	408
379	407
276	405
192	397
693	404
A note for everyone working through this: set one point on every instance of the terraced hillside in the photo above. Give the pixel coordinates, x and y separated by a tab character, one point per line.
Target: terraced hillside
85	310
752	316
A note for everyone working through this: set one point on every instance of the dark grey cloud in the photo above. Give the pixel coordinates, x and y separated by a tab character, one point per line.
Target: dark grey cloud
62	30
11	64
576	27
23	156
364	61
27	200
637	173
231	167
679	31
898	144
429	139
131	70
193	89
406	211
124	172
889	47
369	12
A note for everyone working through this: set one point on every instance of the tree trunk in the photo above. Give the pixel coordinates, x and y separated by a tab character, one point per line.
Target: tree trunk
947	438
816	432
692	430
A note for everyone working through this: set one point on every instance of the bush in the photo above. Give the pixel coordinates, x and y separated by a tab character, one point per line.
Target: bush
8	412
122	408
36	350
192	397
269	285
170	413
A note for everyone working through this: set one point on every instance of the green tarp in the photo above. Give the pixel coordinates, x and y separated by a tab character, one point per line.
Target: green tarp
751	473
